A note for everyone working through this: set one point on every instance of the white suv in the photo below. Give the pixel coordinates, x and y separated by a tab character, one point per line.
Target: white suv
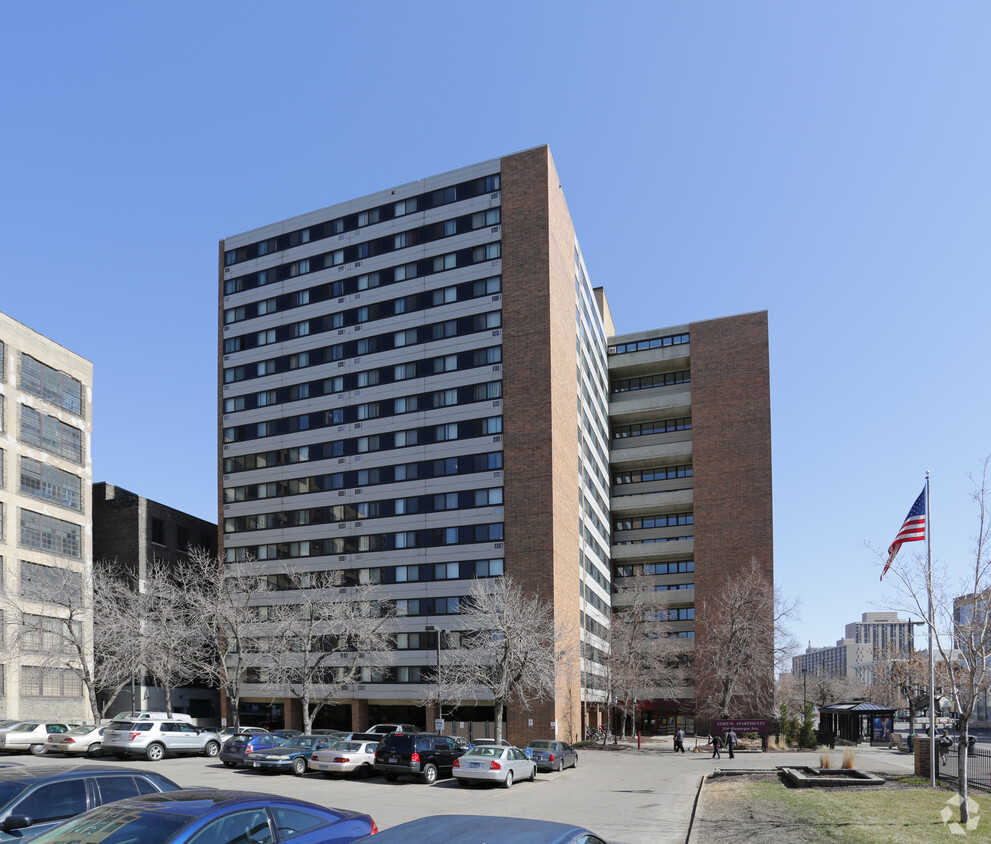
155	739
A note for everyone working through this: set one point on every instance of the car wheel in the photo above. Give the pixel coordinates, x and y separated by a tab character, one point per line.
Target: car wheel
560	765
155	753
429	775
38	749
366	771
509	780
533	773
299	766
212	749
575	763
391	777
95	749
230	764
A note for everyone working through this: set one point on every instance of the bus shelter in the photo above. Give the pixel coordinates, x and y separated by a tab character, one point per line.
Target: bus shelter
855	722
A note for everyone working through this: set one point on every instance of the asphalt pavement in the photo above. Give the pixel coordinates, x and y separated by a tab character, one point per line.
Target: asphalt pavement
625	795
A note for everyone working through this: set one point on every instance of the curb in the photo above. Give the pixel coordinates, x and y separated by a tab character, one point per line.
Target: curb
695	806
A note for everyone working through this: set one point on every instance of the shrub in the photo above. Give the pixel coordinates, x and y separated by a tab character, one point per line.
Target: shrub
849	756
824	760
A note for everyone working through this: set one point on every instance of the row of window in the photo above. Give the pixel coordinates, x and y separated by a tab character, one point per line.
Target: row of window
39	582
51	435
358	478
341	416
339	352
424	572
361	219
591	597
658	473
658	426
48	635
50	483
369	674
426	538
652	541
50	534
645	382
460	362
654	521
50	682
638	569
335	322
51	385
369	249
380	509
673	587
672	614
651	343
419	268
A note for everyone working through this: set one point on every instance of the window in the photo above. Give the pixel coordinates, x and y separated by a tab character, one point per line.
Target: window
54	682
246	827
51	434
50	534
647	381
39	581
54	801
50	483
157	531
51	385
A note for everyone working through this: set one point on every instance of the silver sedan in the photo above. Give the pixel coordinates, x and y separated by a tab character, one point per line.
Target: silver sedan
493	763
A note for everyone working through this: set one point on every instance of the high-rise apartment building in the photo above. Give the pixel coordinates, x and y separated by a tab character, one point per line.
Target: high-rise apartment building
421	386
877	635
45	522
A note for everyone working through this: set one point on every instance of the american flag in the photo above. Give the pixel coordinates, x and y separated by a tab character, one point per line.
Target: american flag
912	530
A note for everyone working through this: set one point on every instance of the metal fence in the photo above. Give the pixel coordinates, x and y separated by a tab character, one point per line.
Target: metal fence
978	767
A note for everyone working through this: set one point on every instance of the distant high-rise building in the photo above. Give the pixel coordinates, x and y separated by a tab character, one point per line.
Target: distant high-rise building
420	387
46	471
876	635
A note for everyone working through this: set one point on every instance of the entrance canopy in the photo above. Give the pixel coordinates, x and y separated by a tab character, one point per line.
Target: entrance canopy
855	721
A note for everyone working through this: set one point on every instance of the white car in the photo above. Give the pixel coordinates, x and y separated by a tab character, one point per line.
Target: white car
86	739
492	763
29	735
345	757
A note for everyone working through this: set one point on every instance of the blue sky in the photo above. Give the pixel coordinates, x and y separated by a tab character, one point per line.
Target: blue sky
827	162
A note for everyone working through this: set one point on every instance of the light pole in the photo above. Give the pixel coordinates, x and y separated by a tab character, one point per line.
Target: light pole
805	691
440	632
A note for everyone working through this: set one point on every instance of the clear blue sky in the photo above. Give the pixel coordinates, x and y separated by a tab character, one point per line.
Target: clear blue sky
828	162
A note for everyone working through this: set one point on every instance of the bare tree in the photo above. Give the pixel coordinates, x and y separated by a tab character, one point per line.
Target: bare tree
902	679
509	651
960	625
222	600
643	662
734	656
824	688
321	637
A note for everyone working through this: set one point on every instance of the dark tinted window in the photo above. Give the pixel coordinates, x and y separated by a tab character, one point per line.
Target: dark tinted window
9	790
116	788
146	786
292	822
398	742
425	744
54	801
250	825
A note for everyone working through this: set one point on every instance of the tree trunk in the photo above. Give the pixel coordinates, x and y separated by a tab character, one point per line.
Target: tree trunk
962	771
499	706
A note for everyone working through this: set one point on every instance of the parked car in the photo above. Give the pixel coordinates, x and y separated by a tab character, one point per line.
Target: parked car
470	829
35	799
424	755
393	728
286	733
155	739
345	757
489	742
7	723
157	716
292	755
29	736
86	739
212	815
552	755
462	742
492	763
227	732
238	749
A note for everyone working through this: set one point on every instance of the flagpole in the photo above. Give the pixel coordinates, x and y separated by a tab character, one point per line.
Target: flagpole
932	667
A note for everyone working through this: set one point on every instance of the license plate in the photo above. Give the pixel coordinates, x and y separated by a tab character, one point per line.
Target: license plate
392	760
474	764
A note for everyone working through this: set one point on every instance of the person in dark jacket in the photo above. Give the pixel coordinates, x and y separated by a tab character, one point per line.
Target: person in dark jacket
717	745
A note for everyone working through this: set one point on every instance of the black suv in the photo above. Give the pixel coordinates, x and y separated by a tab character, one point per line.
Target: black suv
422	754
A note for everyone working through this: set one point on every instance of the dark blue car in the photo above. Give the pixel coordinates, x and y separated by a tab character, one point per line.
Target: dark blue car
211	816
470	829
238	748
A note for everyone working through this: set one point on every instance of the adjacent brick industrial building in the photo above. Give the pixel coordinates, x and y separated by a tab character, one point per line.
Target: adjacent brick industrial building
441	341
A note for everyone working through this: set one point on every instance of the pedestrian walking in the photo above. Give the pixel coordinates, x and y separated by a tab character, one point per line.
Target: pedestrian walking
945	743
679	741
731	742
717	745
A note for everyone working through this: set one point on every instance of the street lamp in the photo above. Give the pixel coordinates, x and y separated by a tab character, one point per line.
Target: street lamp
440	632
805	691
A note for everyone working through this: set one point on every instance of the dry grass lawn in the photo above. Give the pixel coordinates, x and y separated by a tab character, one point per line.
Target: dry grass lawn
761	808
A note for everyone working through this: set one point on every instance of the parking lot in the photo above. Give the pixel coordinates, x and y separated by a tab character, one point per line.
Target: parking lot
626	797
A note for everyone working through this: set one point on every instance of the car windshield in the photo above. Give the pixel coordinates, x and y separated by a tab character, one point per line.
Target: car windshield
81	731
24	728
299	742
540	745
112	825
348	746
